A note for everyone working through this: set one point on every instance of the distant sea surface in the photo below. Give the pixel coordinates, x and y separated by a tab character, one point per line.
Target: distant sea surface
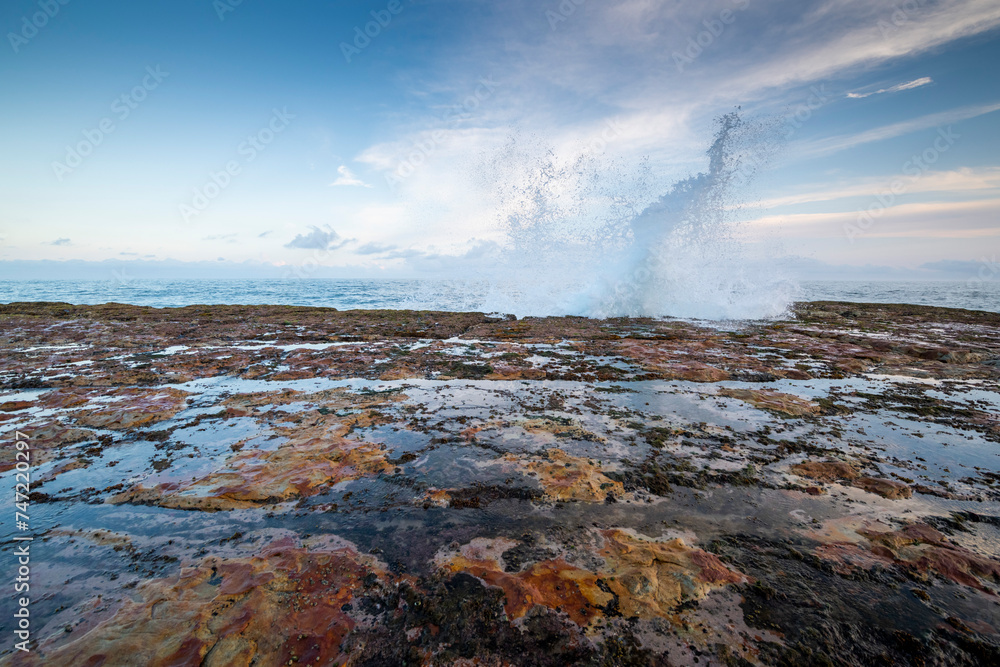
438	295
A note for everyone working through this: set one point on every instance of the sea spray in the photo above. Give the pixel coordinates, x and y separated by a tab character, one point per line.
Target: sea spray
585	239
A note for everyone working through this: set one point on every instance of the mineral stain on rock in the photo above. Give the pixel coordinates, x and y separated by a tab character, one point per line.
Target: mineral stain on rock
565	477
283	604
229	485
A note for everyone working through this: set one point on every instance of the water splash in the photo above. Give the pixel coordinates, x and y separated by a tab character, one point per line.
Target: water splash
584	239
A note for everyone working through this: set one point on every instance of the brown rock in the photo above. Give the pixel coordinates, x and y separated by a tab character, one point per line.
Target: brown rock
45	438
886	488
132	407
851	366
316	455
826	471
924	549
652	577
648	578
668	364
765	399
962	357
254	478
565	477
287	604
550	583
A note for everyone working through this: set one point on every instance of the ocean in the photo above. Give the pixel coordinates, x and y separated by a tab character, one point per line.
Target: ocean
436	295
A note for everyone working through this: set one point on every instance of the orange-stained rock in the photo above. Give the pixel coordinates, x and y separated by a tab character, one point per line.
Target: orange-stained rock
315	456
924	549
653	577
640	577
131	407
515	373
775	401
826	471
73	464
565	477
852	366
550	583
284	605
14	406
664	361
401	373
559	428
886	488
253	478
435	497
694	371
45	439
331	400
846	557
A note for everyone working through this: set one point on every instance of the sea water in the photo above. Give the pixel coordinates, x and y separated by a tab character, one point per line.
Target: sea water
448	295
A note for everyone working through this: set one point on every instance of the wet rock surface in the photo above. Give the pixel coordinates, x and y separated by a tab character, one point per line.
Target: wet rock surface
227	485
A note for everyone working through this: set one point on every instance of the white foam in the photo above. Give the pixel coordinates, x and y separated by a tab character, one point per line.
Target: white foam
582	240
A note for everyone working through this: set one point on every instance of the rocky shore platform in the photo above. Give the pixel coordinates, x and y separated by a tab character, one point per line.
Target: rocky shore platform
224	485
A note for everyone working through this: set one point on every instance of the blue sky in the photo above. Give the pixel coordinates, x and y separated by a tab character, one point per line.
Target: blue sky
250	134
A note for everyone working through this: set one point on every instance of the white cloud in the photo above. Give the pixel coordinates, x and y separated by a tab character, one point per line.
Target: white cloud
347	178
830	145
909	85
953	220
960	181
856	33
318	239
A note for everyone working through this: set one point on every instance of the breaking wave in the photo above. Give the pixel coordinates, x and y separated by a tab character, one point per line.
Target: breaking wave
596	240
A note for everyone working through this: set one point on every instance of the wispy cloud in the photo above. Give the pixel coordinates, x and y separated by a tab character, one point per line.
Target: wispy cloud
962	182
61	242
374	249
971	219
347	178
841	142
909	85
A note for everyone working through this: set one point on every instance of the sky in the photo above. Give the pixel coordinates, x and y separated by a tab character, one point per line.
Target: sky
376	138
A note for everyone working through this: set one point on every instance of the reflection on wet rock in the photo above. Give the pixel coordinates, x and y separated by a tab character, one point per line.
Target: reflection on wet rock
285	604
274	485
